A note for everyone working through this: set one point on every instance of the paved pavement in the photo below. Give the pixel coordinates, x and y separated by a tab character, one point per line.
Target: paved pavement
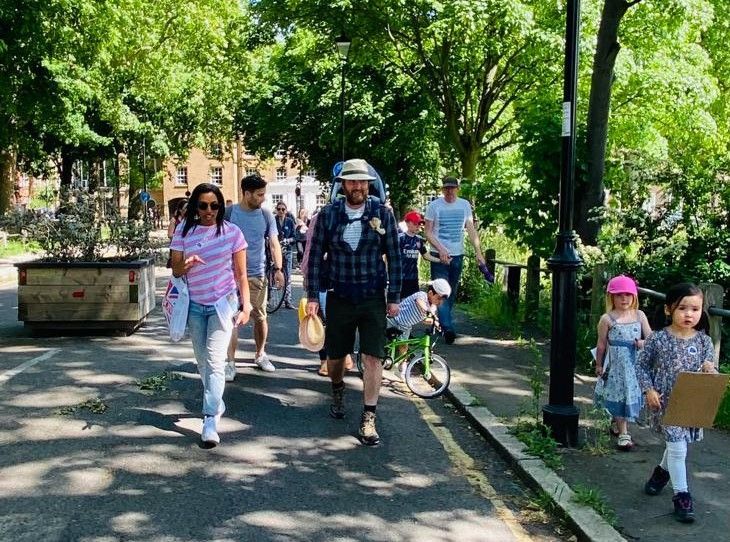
490	385
285	470
492	376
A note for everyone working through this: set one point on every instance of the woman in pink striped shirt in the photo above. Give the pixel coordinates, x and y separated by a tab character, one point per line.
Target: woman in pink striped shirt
211	253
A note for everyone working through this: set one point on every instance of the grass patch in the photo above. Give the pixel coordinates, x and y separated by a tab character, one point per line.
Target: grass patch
595	499
17	248
596	432
158	383
96	406
538	442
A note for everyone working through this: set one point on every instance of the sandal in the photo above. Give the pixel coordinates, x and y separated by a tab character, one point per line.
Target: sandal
624	442
322	371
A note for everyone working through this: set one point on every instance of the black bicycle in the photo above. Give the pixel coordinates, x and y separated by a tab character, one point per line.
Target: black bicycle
275	294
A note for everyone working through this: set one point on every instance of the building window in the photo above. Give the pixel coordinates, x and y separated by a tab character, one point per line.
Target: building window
251	171
281	174
215	151
181	176
321	200
311	173
276	199
216	175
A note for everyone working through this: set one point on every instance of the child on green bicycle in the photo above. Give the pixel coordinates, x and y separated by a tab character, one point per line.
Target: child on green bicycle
416	307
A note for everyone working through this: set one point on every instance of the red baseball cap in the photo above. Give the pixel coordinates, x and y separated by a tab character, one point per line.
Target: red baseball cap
414	217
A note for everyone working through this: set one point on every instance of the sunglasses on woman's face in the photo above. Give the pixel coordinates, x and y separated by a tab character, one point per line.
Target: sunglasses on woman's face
281	208
203	206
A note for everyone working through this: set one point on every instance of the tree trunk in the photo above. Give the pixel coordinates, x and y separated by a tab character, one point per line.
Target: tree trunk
66	170
607	48
469	161
7	179
95	175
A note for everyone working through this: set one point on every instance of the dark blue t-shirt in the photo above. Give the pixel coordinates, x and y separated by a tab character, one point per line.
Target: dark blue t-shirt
411	246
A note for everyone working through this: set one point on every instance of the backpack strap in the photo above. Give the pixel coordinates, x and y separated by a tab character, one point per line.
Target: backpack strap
336	207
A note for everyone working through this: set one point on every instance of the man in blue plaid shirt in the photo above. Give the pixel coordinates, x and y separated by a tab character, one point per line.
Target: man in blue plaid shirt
346	259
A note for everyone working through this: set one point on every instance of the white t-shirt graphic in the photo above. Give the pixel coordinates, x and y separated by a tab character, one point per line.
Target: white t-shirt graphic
449	220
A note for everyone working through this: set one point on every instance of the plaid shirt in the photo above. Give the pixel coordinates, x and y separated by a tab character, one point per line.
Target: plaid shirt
360	273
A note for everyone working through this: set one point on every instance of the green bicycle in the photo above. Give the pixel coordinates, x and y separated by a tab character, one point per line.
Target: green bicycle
426	374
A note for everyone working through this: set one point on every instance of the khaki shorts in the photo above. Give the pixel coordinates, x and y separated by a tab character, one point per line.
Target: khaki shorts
257	289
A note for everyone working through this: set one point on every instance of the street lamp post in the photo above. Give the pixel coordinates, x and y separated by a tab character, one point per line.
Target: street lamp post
343	48
560	414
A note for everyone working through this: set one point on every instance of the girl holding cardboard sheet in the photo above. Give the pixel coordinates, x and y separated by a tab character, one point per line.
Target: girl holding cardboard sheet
683	346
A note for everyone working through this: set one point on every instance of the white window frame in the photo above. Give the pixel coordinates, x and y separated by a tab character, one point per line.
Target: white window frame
276	199
215	178
181	176
280	174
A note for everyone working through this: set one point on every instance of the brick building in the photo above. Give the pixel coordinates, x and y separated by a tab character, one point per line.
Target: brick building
226	167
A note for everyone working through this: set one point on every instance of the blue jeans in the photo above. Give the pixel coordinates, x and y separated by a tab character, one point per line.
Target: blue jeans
288	256
452	273
210	343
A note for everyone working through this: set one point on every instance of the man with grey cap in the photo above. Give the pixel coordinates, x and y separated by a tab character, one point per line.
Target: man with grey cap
446	218
350	238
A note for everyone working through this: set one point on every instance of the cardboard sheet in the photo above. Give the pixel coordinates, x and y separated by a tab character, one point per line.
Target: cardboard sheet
695	399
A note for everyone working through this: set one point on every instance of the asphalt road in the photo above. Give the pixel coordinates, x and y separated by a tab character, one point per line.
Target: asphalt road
285	470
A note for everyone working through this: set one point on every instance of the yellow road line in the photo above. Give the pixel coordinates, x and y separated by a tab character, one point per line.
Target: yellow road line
466	466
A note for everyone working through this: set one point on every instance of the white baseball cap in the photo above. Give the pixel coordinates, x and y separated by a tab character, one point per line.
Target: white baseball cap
441	287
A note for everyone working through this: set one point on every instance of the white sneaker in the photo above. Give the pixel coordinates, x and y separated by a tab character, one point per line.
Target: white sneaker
230	371
209	435
264	364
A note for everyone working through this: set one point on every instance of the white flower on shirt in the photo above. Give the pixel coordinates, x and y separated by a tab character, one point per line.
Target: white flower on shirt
375	224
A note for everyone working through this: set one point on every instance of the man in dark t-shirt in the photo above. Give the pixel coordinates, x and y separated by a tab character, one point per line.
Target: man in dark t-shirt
411	246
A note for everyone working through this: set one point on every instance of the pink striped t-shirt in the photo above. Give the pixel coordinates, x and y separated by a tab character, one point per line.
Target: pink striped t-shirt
212	280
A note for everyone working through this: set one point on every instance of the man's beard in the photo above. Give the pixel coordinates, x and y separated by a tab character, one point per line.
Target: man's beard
356	197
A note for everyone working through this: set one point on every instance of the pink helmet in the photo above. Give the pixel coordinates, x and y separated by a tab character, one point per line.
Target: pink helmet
622	285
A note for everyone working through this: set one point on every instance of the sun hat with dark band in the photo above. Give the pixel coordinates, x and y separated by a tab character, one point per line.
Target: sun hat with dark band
355	169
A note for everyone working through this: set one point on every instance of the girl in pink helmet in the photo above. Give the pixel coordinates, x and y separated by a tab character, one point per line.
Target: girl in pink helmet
621	333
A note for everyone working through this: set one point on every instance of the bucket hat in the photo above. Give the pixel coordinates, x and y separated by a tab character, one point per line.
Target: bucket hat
441	287
311	333
355	169
622	285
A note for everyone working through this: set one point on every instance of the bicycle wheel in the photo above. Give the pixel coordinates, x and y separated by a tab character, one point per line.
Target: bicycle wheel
357	355
274	294
358	362
431	383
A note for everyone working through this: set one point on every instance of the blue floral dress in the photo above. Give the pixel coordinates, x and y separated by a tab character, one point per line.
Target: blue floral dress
663	358
621	395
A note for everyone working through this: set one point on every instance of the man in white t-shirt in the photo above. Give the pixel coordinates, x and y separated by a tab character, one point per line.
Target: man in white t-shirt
446	219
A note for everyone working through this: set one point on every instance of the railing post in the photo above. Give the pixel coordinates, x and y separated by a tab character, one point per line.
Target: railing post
490	255
532	289
512	283
713	294
598	299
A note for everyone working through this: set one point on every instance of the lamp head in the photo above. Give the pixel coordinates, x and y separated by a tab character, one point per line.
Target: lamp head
343	46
